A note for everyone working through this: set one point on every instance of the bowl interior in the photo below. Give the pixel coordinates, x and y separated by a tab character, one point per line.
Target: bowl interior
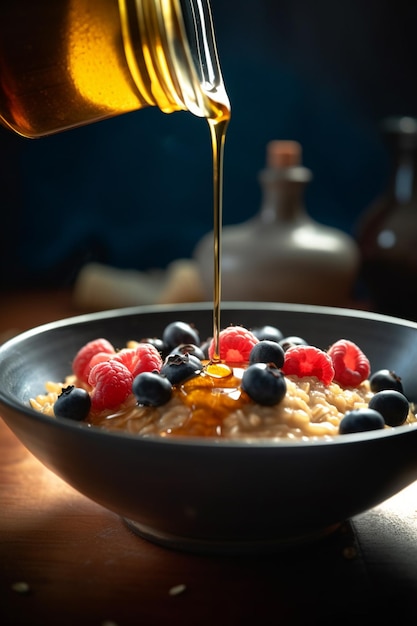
46	353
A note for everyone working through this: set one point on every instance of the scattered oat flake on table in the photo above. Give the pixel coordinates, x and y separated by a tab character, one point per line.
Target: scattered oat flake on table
21	587
349	552
177	589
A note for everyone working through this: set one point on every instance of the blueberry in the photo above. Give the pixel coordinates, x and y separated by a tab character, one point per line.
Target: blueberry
264	383
73	403
392	404
151	389
157	343
267	351
180	332
360	420
204	347
180	367
271	333
385	379
189	348
292	340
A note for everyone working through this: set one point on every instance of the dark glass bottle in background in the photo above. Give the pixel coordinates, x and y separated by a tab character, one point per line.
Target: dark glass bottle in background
387	231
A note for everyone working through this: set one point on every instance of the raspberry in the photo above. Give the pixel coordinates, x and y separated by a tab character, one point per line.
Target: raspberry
99	358
81	363
308	361
351	366
143	358
235	344
112	384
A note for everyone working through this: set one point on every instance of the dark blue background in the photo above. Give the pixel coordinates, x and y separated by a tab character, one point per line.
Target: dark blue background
136	191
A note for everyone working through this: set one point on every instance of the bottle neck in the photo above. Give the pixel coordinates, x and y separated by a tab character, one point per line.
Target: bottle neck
171	52
283	191
401	136
404	184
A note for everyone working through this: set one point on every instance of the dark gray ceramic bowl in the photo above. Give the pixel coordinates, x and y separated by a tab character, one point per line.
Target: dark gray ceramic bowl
206	495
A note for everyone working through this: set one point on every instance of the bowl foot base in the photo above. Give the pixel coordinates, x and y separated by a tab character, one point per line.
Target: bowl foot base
206	546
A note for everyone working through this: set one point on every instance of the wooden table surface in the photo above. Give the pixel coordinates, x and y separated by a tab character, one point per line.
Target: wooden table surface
65	560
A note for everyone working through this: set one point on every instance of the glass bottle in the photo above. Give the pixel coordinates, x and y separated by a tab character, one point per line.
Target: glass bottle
65	63
282	254
387	231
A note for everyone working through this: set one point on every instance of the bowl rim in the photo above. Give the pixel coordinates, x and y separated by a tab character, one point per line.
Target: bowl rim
11	403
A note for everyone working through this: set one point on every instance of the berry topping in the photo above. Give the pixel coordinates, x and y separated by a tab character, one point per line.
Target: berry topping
271	333
361	420
214	392
151	389
351	366
180	367
180	332
99	358
112	384
73	403
292	340
264	383
385	379
143	358
392	405
267	351
308	361
189	348
235	344
204	347
157	342
81	363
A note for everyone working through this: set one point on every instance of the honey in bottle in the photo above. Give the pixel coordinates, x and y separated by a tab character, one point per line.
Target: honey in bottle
65	63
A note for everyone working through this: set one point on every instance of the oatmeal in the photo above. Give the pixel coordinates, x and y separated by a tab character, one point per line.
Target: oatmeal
309	409
255	389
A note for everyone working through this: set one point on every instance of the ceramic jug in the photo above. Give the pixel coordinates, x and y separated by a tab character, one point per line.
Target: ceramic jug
282	254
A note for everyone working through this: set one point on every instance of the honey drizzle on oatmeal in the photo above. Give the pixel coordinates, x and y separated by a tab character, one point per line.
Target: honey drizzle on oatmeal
205	406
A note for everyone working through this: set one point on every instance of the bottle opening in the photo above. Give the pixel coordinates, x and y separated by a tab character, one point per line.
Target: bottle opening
171	51
199	30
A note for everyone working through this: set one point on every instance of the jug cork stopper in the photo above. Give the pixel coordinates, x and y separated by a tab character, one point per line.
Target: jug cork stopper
283	154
